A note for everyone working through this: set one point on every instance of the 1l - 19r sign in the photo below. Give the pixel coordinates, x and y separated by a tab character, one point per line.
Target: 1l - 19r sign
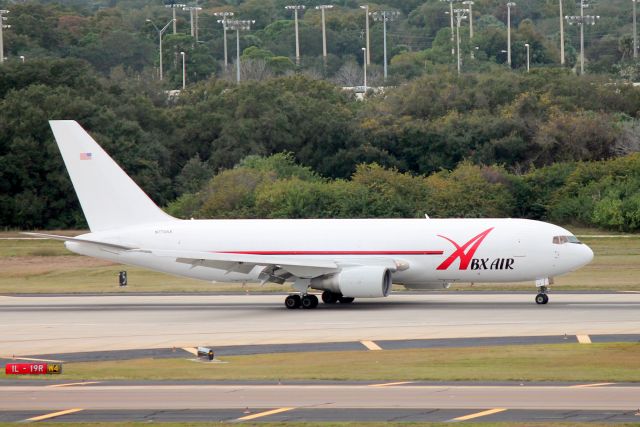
33	368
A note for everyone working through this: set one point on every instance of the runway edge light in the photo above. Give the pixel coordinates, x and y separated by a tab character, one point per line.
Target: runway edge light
33	368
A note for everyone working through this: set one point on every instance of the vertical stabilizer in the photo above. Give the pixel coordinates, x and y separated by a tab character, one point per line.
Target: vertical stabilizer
109	198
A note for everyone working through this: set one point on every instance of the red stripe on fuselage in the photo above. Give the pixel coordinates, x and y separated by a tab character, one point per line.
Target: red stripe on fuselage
333	252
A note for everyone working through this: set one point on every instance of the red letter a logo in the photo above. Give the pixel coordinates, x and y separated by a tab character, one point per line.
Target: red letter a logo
465	257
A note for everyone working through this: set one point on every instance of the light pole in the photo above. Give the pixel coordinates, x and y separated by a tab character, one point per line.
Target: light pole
160	33
173	6
322	8
364	63
225	17
239	25
509	6
528	55
582	20
460	15
184	71
470	4
366	29
635	30
453	50
561	34
193	10
295	9
2	25
22	58
384	16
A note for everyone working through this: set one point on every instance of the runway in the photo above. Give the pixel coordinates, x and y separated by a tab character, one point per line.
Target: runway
64	324
322	402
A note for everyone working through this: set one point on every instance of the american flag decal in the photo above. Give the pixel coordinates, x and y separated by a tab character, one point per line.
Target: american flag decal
85	156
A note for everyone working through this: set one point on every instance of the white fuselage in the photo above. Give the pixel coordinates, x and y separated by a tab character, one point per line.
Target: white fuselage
432	250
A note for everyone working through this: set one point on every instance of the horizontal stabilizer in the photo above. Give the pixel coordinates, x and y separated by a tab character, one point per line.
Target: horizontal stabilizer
78	240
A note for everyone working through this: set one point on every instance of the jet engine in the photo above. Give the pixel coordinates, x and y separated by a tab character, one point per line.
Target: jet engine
356	282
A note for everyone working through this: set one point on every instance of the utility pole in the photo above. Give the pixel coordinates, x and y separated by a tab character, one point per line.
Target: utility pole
239	25
460	15
160	33
173	6
384	16
470	4
509	6
528	55
582	20
635	31
453	50
193	10
225	17
561	34
366	29
2	26
295	9
322	8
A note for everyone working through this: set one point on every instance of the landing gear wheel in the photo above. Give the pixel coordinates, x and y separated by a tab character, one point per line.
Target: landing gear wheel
346	300
293	301
542	299
309	301
329	297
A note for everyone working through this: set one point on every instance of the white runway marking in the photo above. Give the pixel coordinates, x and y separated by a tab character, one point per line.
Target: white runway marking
371	345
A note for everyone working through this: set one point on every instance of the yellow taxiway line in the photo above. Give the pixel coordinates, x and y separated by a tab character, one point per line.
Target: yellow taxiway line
590	385
390	384
479	414
264	414
72	384
54	414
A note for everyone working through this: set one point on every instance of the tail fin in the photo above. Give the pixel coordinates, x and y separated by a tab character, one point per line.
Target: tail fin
109	198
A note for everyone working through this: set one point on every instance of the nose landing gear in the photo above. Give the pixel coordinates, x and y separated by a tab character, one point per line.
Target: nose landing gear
543	287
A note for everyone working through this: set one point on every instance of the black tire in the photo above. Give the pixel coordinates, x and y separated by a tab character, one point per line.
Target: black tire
542	299
329	297
346	300
292	301
309	301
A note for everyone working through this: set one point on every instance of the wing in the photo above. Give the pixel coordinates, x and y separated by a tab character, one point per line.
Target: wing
277	268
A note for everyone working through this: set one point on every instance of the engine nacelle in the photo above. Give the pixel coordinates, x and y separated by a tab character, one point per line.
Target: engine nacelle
357	282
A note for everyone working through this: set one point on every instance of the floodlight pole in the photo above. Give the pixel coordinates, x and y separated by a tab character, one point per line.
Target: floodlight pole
460	15
184	72
225	17
322	8
193	20
582	20
295	9
635	30
528	56
173	6
364	64
238	25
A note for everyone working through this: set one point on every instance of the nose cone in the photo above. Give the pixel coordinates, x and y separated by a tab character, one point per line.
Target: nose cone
582	255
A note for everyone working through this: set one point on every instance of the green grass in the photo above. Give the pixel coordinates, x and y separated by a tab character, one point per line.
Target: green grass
618	362
36	266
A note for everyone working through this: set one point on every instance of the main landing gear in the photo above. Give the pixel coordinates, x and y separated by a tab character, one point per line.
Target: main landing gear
305	301
309	301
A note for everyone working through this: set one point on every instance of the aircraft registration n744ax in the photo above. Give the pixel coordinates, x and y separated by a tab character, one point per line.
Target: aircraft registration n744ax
344	258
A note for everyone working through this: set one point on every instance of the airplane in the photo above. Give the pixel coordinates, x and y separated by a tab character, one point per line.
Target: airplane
342	258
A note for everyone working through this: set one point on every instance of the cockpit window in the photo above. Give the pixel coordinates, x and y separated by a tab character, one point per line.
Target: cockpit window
561	240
